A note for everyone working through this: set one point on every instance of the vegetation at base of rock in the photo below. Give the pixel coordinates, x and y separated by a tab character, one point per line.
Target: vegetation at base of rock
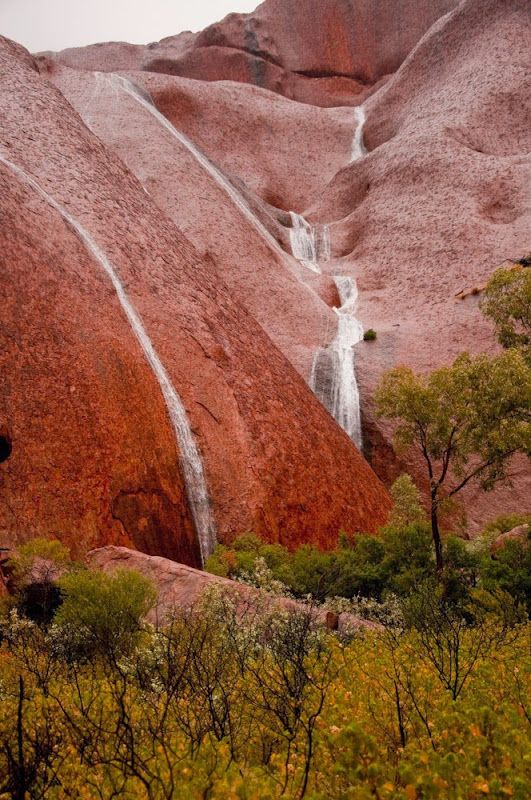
465	420
369	335
102	613
231	702
395	563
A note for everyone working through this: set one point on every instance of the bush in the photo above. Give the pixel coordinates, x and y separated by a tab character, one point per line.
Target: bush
409	557
102	614
35	569
510	570
407	508
369	335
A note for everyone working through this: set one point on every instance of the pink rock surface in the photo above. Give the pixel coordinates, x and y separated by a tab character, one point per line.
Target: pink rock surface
442	198
323	53
94	458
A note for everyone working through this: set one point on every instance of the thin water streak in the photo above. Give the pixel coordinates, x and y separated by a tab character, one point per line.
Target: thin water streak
358	147
190	458
142	97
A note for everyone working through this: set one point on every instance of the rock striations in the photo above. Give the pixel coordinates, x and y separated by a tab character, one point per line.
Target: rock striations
95	456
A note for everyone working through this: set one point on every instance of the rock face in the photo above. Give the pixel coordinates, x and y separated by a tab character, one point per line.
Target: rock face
188	198
94	457
323	53
442	198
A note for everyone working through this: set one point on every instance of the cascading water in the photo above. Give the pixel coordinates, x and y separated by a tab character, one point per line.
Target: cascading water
143	98
333	377
191	463
310	244
358	148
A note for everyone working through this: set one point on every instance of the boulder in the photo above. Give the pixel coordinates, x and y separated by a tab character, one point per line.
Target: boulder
519	534
180	587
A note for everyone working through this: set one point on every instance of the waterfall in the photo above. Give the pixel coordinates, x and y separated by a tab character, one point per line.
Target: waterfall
358	148
333	377
143	98
190	459
310	244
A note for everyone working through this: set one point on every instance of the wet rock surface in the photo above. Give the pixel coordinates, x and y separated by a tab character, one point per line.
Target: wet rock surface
439	197
94	459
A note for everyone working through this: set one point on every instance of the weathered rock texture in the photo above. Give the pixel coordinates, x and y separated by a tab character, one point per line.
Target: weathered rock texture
94	459
326	53
442	198
282	295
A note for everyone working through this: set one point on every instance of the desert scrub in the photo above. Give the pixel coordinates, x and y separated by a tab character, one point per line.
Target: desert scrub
216	704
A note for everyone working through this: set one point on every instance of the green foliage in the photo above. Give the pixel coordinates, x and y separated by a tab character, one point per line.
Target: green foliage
407	508
510	570
396	562
408	557
235	703
35	568
507	302
56	557
466	420
502	524
369	335
102	614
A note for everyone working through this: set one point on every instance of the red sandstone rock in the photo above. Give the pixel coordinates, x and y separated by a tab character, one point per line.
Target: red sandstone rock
181	587
94	459
324	53
441	199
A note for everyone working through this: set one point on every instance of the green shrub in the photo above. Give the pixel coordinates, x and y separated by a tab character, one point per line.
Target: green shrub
102	614
510	570
369	335
408	557
407	508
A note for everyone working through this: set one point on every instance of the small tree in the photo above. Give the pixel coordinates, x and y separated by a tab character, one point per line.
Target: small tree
507	302
407	509
466	420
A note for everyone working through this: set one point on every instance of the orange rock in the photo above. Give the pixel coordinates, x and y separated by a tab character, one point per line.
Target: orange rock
94	458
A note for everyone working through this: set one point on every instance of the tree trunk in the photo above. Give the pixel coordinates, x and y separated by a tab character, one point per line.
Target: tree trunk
437	543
